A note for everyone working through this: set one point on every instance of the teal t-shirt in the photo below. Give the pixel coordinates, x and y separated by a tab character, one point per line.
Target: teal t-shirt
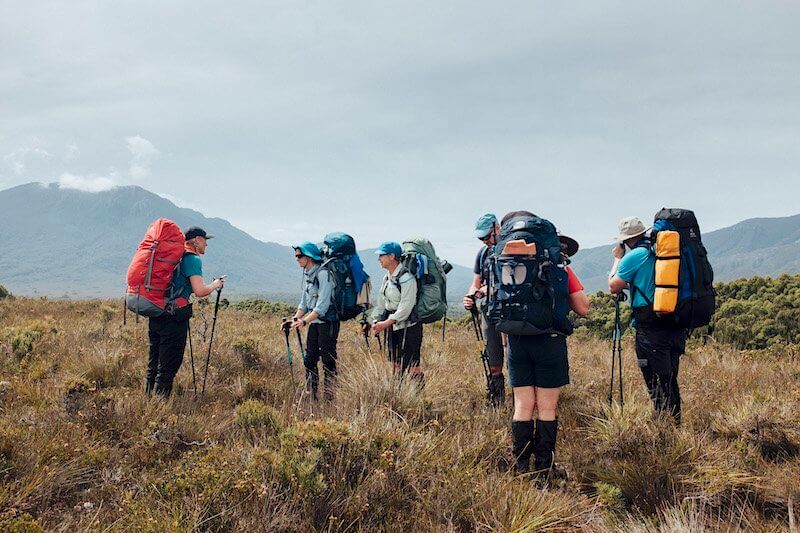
189	266
637	267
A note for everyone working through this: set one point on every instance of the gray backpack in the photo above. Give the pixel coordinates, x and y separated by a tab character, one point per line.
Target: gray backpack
420	260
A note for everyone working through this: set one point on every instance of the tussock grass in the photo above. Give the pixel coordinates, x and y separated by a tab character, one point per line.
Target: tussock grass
82	447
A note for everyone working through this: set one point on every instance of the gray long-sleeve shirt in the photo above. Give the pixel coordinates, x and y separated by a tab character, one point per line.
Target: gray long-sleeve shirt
317	293
398	301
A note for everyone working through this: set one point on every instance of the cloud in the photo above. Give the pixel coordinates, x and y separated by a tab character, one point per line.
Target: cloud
73	151
87	184
142	152
17	159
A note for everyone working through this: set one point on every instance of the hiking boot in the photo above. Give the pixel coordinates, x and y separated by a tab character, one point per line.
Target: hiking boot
544	449
522	445
497	390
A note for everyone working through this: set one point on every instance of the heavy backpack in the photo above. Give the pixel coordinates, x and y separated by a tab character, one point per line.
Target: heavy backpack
151	270
528	279
684	278
352	286
420	260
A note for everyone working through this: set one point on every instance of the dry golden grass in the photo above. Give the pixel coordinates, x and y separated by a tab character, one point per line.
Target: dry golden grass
82	447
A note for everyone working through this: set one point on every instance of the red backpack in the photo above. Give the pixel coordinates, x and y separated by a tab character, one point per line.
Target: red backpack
152	268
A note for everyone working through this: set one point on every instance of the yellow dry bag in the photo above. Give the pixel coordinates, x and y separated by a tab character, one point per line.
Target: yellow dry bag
668	267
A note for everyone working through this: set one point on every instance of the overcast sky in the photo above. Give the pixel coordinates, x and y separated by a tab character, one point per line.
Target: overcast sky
392	119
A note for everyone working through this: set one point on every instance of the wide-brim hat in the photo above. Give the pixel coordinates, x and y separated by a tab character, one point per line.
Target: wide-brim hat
309	249
569	246
630	227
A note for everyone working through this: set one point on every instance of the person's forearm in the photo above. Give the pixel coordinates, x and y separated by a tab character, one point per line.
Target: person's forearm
310	317
614	267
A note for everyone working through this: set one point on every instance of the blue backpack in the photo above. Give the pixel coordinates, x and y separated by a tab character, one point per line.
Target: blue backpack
339	257
528	288
696	299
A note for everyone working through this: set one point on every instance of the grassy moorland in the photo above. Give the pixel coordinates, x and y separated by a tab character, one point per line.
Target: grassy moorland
82	447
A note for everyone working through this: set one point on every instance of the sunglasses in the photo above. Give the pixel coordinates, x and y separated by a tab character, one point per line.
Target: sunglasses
298	256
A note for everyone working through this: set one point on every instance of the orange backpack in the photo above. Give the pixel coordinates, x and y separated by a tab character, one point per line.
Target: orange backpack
152	269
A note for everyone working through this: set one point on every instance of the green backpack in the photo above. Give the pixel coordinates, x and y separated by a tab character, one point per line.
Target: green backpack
420	260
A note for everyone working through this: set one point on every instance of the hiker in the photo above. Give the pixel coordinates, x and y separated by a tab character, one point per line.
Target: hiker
316	312
168	332
486	230
537	362
659	343
396	300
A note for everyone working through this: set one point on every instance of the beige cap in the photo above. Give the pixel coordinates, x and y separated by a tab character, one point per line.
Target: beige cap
630	227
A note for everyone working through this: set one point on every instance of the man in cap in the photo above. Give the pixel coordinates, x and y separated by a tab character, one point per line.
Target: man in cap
317	312
486	230
168	332
659	343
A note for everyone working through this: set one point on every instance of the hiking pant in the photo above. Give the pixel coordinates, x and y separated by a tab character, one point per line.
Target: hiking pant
321	344
405	346
167	344
494	343
658	351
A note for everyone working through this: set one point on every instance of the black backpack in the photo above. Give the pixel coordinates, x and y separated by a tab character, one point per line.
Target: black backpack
528	288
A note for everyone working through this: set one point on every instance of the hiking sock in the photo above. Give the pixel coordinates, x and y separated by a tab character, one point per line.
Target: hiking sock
522	444
497	390
544	445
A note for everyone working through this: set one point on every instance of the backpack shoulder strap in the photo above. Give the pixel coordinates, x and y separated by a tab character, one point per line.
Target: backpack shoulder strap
648	245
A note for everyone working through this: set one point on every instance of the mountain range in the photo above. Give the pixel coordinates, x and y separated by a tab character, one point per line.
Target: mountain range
64	242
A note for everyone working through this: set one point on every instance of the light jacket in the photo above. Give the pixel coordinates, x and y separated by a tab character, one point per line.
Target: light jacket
317	293
398	301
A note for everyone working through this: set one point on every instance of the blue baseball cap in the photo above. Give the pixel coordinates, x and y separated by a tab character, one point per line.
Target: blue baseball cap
485	225
309	249
389	247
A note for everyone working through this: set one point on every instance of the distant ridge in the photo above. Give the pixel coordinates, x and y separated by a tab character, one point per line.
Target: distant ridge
61	242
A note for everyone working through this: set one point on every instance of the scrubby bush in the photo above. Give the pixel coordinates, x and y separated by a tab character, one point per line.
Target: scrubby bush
753	313
259	305
4	293
247	350
254	414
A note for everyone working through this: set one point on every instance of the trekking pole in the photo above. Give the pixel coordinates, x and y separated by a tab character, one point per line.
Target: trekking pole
191	357
365	328
300	342
616	351
211	341
285	327
481	343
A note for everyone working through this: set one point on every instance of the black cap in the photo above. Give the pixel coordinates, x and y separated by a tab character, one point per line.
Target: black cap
568	245
194	231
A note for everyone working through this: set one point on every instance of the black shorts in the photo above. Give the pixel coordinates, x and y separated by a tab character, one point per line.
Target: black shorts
405	346
538	361
660	349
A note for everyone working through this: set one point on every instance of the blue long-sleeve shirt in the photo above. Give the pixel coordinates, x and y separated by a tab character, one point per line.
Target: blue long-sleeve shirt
317	293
